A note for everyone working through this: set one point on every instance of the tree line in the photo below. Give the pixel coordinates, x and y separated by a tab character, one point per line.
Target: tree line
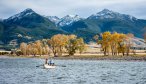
111	44
57	44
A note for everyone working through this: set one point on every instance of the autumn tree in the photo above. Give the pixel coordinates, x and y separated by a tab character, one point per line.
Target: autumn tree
45	48
29	48
121	44
75	44
57	43
81	45
38	47
105	42
115	43
53	46
34	50
63	39
23	48
71	47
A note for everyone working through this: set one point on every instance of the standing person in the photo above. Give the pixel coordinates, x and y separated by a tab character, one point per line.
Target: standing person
46	61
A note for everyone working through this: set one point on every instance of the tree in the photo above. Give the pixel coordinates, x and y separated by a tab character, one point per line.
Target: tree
81	45
57	43
23	48
121	44
75	44
29	48
34	50
45	47
39	47
53	45
114	43
117	43
63	39
71	47
46	50
105	42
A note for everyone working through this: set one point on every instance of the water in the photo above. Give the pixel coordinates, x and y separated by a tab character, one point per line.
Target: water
24	71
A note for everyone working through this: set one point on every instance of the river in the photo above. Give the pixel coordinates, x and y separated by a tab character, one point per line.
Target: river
24	71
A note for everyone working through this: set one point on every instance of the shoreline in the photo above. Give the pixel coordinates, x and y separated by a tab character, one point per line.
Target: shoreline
126	58
85	57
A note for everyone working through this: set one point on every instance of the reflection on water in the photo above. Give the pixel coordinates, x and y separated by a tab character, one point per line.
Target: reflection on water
24	71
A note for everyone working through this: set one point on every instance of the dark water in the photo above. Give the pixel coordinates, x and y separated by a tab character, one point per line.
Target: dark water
24	71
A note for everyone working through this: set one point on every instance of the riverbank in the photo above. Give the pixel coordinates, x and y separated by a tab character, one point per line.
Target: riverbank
85	57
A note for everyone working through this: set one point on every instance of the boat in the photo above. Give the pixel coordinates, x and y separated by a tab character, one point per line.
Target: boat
49	66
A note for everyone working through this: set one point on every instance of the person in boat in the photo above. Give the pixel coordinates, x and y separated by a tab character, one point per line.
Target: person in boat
46	61
51	62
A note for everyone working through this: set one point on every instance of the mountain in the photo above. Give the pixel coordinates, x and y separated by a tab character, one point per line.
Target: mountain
68	19
28	26
54	19
108	14
29	18
107	20
1	29
64	21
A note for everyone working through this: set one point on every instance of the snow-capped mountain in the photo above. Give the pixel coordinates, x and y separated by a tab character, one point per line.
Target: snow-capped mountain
108	14
68	19
30	19
54	19
26	12
31	24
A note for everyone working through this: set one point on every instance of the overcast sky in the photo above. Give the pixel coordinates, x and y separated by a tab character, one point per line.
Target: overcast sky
83	8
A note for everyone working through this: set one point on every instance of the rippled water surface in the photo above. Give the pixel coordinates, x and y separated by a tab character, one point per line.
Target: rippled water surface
24	71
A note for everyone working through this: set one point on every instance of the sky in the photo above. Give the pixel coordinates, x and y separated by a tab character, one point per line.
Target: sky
83	8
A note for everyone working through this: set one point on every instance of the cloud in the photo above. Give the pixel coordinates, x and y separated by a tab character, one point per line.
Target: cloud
83	8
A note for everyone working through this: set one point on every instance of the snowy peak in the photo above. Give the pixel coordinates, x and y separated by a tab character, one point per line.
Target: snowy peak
69	19
72	16
54	19
26	12
109	14
105	11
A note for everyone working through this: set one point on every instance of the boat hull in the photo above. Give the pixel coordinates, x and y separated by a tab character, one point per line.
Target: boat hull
49	67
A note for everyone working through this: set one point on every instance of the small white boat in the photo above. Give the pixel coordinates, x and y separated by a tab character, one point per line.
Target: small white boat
49	66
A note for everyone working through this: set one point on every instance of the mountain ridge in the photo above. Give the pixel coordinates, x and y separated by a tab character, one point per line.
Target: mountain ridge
28	23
